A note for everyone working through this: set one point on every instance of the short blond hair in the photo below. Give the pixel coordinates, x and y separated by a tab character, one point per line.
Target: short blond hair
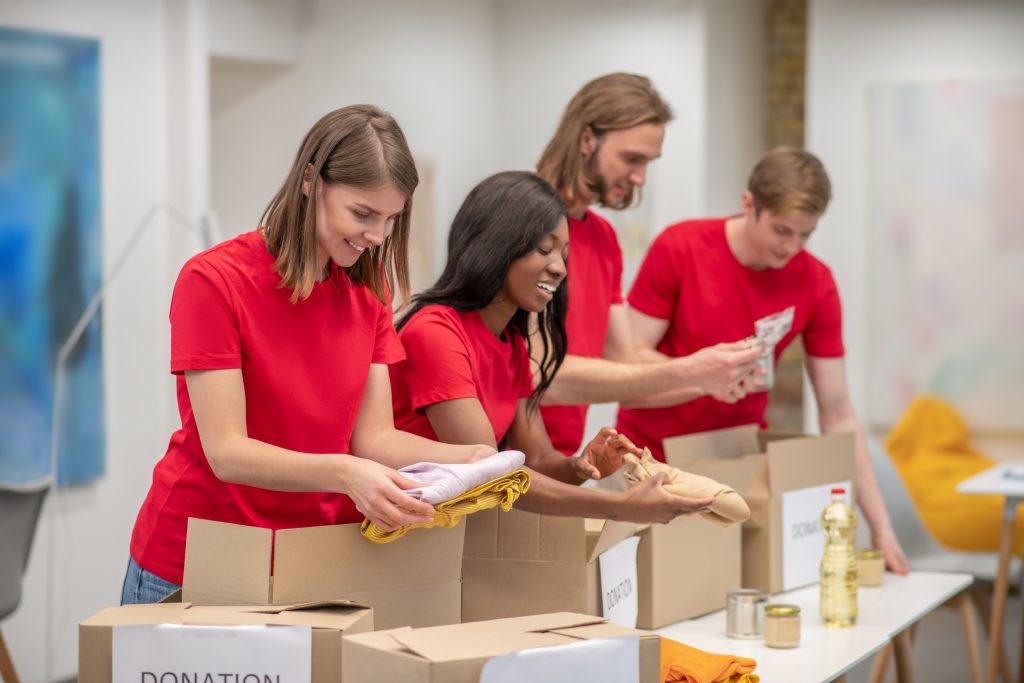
615	101
787	179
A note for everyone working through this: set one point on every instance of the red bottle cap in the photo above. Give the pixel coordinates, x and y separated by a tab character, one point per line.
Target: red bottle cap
839	490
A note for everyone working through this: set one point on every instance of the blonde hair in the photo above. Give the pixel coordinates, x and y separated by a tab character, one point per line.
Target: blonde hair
613	102
787	179
361	146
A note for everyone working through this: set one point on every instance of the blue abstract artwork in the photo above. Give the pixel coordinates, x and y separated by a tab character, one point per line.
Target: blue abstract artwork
50	255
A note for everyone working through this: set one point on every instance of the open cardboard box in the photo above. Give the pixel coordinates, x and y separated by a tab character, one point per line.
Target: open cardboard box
763	467
519	563
329	620
457	654
413	581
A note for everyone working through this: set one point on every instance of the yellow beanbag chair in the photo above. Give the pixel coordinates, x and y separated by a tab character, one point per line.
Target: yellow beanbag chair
931	449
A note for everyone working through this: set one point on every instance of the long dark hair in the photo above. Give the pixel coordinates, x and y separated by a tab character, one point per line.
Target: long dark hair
502	219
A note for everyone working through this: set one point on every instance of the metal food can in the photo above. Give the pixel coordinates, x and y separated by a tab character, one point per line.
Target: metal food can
744	613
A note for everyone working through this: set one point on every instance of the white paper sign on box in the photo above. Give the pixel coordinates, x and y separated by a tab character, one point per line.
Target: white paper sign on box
615	660
619	599
166	653
803	541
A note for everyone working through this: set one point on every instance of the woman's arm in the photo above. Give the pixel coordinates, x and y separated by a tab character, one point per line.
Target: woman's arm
218	404
376	438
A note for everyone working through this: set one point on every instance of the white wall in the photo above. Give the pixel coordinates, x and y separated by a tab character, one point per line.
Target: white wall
81	546
851	46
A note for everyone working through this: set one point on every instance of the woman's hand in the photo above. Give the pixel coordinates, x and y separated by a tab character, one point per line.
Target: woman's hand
603	456
648	502
377	492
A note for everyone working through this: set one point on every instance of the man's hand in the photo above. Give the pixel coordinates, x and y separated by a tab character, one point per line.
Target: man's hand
603	456
728	371
895	560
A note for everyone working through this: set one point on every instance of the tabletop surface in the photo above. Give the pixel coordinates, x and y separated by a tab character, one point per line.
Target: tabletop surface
1004	479
826	653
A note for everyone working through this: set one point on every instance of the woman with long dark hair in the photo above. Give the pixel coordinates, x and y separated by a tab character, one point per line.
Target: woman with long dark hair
467	377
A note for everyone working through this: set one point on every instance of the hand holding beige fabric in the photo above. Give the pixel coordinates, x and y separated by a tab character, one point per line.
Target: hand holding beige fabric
728	507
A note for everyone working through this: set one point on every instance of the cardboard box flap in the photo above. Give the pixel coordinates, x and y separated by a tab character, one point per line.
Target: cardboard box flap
491	638
598	630
131	615
227	563
803	462
308	605
682	451
359	565
612	533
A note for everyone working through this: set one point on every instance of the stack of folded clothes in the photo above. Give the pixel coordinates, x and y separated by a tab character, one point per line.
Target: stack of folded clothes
459	490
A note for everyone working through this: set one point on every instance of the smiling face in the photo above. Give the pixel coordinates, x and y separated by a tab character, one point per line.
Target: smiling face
532	279
774	238
620	158
351	219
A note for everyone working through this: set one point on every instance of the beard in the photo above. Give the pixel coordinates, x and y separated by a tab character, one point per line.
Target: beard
600	187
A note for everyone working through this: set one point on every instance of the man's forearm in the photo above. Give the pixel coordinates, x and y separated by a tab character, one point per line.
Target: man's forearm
869	496
582	380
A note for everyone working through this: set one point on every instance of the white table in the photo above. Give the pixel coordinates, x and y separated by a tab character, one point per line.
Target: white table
1007	480
884	615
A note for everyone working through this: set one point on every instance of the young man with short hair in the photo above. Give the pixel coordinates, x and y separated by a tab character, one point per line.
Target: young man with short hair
705	281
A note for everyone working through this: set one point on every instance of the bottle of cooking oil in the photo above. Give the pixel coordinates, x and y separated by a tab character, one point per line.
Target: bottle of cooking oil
839	563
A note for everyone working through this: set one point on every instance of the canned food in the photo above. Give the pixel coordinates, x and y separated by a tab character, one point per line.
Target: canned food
744	613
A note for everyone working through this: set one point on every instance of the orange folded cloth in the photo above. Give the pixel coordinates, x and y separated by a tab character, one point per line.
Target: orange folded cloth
728	507
684	664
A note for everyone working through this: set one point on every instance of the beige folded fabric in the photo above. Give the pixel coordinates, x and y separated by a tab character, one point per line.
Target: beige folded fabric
728	507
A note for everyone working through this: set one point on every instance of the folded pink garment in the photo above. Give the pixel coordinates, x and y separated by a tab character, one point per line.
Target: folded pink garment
445	482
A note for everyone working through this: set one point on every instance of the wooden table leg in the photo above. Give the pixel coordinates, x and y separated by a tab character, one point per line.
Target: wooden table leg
982	600
7	672
880	667
901	647
1002	583
967	615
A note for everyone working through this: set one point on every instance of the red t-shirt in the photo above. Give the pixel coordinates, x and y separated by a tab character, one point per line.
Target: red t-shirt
304	366
691	278
595	285
453	354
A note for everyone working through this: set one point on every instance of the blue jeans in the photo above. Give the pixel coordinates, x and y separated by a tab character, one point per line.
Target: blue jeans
142	587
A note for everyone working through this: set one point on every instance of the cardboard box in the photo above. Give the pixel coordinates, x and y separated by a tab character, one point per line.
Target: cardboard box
329	621
518	563
764	466
414	581
457	654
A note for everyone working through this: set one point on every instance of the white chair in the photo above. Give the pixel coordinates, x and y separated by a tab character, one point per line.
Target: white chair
926	554
19	513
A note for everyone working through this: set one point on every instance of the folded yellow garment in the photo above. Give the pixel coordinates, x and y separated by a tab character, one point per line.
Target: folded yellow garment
931	449
502	491
684	664
728	507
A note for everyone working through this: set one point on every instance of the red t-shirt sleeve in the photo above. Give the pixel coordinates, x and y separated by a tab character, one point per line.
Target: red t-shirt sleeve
524	368
386	346
616	257
438	365
823	336
204	328
656	287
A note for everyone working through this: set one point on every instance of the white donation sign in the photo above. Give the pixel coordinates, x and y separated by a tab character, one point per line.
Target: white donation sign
606	660
174	653
619	602
803	540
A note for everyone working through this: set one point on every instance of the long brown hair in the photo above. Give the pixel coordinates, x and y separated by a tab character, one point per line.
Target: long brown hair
613	102
361	146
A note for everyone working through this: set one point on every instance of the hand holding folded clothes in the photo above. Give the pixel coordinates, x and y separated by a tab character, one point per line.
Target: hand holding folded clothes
458	490
728	506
